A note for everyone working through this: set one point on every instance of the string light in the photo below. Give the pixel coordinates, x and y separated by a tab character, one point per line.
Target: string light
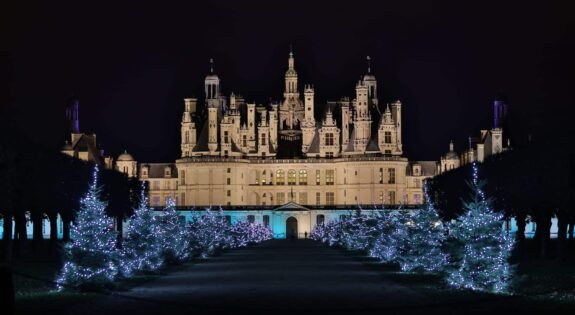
175	241
91	255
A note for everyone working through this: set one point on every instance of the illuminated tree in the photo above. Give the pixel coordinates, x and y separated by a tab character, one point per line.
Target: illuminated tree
91	255
207	233
142	247
426	234
358	231
481	259
244	233
391	237
174	237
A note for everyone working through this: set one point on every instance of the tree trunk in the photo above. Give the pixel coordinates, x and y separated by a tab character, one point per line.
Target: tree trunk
66	229
561	236
37	236
7	238
119	227
53	217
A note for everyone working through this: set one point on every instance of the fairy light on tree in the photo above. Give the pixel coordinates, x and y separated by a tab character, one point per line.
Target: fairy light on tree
208	233
391	235
91	255
426	234
174	237
481	261
142	247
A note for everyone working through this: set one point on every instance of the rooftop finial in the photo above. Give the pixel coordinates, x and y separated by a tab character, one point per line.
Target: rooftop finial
368	64
290	50
211	65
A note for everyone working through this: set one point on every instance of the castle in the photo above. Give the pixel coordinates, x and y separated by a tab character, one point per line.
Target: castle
290	164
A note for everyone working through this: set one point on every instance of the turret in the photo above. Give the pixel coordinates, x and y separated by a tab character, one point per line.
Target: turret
309	104
212	83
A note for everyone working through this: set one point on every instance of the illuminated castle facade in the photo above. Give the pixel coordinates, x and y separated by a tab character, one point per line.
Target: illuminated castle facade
238	153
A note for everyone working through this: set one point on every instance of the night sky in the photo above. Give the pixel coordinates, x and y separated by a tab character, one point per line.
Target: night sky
131	65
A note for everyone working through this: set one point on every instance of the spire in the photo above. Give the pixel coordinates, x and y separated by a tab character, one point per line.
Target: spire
368	64
211	65
451	146
291	59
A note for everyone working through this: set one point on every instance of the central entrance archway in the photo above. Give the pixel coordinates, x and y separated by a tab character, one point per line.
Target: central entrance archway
291	227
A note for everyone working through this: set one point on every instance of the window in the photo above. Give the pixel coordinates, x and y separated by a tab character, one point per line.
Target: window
320	219
381	175
182	177
229	170
318	198
166	185
244	141
391	179
156	185
226	137
417	183
392	197
381	197
280	177
329	198
187	137
280	198
329	138
229	193
387	152
263	142
228	181
417	199
303	177
318	177
155	201
387	137
266	219
329	177
303	198
182	199
251	218
329	154
291	177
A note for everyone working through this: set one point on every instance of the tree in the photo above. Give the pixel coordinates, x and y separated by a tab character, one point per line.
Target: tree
142	247
482	247
208	233
174	239
426	235
391	236
90	261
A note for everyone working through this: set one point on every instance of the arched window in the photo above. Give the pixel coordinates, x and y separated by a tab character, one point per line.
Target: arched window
320	219
280	177
303	177
291	177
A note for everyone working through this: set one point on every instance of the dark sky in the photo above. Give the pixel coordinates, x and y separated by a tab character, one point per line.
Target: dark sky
131	64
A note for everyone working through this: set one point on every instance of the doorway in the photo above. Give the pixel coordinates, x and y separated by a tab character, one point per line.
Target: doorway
291	227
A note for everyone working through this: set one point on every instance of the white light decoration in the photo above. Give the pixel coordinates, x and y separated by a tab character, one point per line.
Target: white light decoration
91	255
174	237
207	233
391	237
142	248
481	260
426	235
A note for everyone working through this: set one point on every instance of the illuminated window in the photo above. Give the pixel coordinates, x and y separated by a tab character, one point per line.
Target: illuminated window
280	177
291	177
156	185
303	177
387	137
391	179
381	197
329	138
187	137
381	175
330	198
317	177
318	198
417	183
329	177
244	141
